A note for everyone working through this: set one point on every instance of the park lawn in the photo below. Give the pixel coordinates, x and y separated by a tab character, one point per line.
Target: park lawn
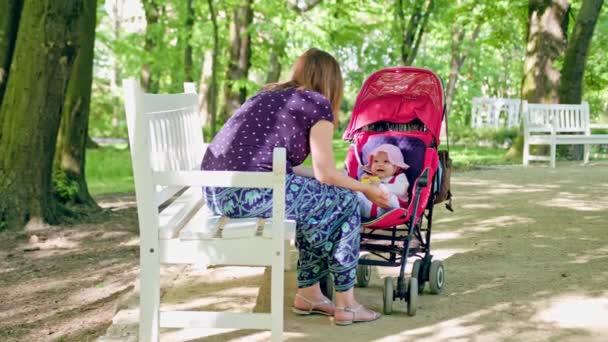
109	171
108	168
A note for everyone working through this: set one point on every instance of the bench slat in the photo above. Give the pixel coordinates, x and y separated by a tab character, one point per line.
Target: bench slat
216	178
174	216
235	252
221	320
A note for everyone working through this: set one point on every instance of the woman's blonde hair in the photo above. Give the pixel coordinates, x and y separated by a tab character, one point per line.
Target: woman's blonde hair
319	71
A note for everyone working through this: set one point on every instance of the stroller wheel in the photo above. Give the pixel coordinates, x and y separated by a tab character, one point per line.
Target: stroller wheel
388	295
412	297
417	273
436	277
327	286
364	273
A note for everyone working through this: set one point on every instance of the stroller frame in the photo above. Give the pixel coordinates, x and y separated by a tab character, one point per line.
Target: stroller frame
405	106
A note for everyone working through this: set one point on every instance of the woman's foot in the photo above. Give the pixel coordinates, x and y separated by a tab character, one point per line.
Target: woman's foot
313	304
346	315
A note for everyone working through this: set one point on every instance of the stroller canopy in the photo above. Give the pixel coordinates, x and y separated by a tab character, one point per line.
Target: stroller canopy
399	95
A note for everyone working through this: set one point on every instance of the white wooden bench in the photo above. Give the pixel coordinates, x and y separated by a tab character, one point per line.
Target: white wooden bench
165	136
488	112
558	124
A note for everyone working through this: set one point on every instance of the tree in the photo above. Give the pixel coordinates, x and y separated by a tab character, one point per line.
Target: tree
240	59
459	53
547	27
69	165
10	12
208	88
150	83
412	35
47	44
188	67
571	83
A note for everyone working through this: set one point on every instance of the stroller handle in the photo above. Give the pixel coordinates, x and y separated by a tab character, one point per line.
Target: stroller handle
423	180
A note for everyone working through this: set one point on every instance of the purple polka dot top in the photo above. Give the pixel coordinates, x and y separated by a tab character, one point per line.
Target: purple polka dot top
267	120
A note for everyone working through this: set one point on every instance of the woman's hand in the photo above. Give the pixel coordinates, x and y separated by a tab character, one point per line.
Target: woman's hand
377	195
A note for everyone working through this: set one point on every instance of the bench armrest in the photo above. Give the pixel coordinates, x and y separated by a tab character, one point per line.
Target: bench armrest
239	179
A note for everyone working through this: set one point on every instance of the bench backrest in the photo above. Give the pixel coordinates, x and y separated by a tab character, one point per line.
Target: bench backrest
166	130
487	112
560	118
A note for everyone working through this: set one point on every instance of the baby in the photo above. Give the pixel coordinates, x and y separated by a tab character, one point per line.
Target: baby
386	166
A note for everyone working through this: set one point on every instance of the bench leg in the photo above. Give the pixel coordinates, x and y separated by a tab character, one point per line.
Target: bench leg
553	154
277	291
526	157
149	296
587	150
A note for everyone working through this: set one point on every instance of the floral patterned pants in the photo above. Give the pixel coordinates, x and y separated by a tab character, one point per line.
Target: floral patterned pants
328	224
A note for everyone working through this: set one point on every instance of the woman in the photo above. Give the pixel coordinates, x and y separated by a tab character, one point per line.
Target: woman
299	115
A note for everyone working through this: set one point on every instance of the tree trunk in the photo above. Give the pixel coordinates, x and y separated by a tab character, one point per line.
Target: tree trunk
571	84
208	91
240	59
148	82
274	68
69	162
548	22
117	18
188	69
458	56
10	12
547	27
47	43
412	35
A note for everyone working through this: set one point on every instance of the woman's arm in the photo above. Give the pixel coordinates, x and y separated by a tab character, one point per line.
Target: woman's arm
304	171
324	166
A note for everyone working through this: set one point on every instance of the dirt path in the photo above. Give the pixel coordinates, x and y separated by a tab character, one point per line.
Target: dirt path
526	256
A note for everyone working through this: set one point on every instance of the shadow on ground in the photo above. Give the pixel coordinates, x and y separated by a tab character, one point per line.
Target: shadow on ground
525	252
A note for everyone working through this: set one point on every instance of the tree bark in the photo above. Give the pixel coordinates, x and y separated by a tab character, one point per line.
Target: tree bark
10	12
547	29
69	162
458	56
188	68
148	82
571	84
240	59
412	35
208	89
274	68
46	47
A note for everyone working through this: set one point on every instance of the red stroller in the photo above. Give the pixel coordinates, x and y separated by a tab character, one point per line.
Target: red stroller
402	107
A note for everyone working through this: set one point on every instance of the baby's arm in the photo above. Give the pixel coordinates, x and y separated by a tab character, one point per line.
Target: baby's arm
399	187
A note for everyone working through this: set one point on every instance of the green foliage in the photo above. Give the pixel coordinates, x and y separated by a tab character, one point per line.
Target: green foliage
64	188
363	35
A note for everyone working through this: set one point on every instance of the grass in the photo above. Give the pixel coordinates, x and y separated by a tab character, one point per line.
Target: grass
109	171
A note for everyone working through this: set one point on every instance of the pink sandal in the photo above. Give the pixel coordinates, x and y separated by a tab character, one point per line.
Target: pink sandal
354	311
313	307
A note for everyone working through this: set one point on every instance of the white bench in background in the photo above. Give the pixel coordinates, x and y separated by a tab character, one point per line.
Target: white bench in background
558	124
165	135
495	112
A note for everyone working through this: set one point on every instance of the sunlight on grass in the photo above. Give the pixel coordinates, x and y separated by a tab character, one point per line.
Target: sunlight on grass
108	170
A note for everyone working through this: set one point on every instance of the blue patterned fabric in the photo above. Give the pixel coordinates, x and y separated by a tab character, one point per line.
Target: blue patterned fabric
327	231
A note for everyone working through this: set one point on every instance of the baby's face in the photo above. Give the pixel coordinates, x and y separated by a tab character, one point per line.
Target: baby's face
381	166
